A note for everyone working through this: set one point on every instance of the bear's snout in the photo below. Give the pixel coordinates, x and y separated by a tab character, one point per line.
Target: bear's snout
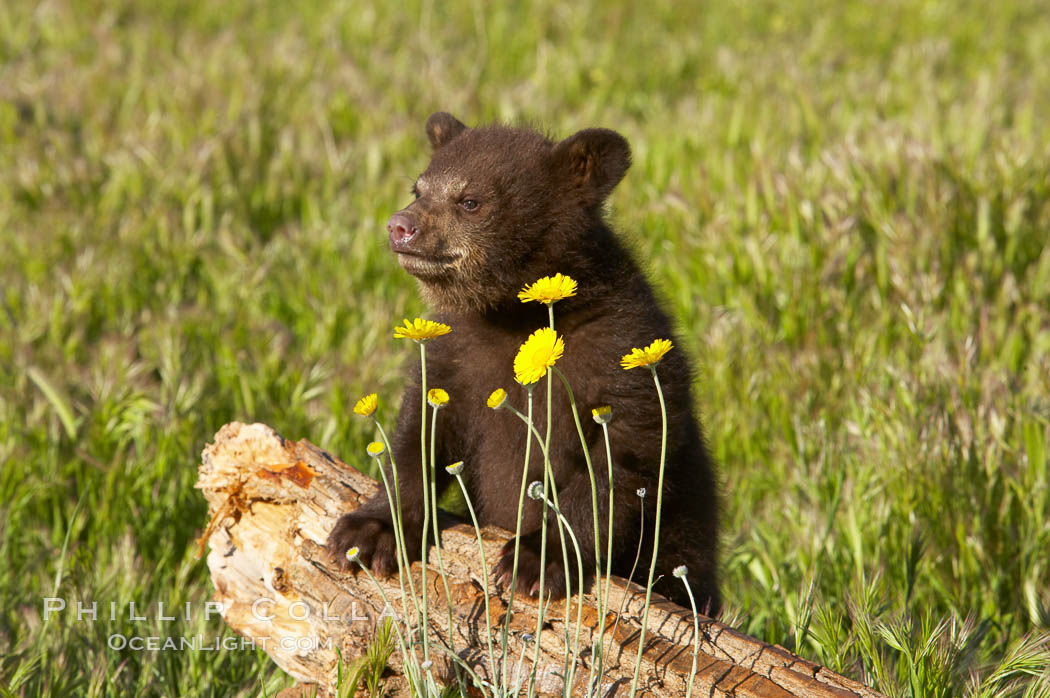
402	231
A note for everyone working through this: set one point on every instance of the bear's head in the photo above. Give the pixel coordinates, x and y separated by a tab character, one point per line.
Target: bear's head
498	207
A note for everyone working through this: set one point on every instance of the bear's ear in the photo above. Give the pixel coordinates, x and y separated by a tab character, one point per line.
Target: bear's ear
443	127
596	159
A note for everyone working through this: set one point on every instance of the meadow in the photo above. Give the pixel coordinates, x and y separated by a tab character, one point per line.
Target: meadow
846	207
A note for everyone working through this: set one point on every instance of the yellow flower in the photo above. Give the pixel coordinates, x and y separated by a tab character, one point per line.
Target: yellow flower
367	405
376	449
437	397
353	554
454	469
549	289
497	398
420	330
602	415
536	355
648	356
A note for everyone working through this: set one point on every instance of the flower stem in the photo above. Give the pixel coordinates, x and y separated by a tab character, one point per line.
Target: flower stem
426	499
437	533
565	560
404	568
634	565
594	512
603	602
696	637
543	528
517	533
656	528
572	659
484	577
411	668
395	524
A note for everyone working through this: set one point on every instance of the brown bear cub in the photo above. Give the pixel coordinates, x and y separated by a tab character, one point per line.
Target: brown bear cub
497	209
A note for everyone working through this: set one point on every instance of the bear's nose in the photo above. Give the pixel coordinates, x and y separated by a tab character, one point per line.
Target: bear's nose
402	230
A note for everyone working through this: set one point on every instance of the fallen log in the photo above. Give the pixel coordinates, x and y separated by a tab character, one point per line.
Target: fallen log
272	503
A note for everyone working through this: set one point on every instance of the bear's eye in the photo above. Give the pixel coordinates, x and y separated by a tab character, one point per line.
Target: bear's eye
415	191
469	204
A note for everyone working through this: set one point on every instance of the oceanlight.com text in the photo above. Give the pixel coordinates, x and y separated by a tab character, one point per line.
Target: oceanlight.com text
199	643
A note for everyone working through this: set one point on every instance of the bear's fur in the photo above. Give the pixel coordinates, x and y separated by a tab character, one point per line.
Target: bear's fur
498	208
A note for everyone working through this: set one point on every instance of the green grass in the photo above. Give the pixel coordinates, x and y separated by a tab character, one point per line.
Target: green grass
847	207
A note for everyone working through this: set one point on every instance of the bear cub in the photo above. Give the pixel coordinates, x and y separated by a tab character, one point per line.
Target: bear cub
498	208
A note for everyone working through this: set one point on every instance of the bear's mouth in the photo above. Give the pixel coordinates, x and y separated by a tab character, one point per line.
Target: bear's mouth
425	265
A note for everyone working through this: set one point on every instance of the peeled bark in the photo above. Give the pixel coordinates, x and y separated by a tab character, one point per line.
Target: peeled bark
272	503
